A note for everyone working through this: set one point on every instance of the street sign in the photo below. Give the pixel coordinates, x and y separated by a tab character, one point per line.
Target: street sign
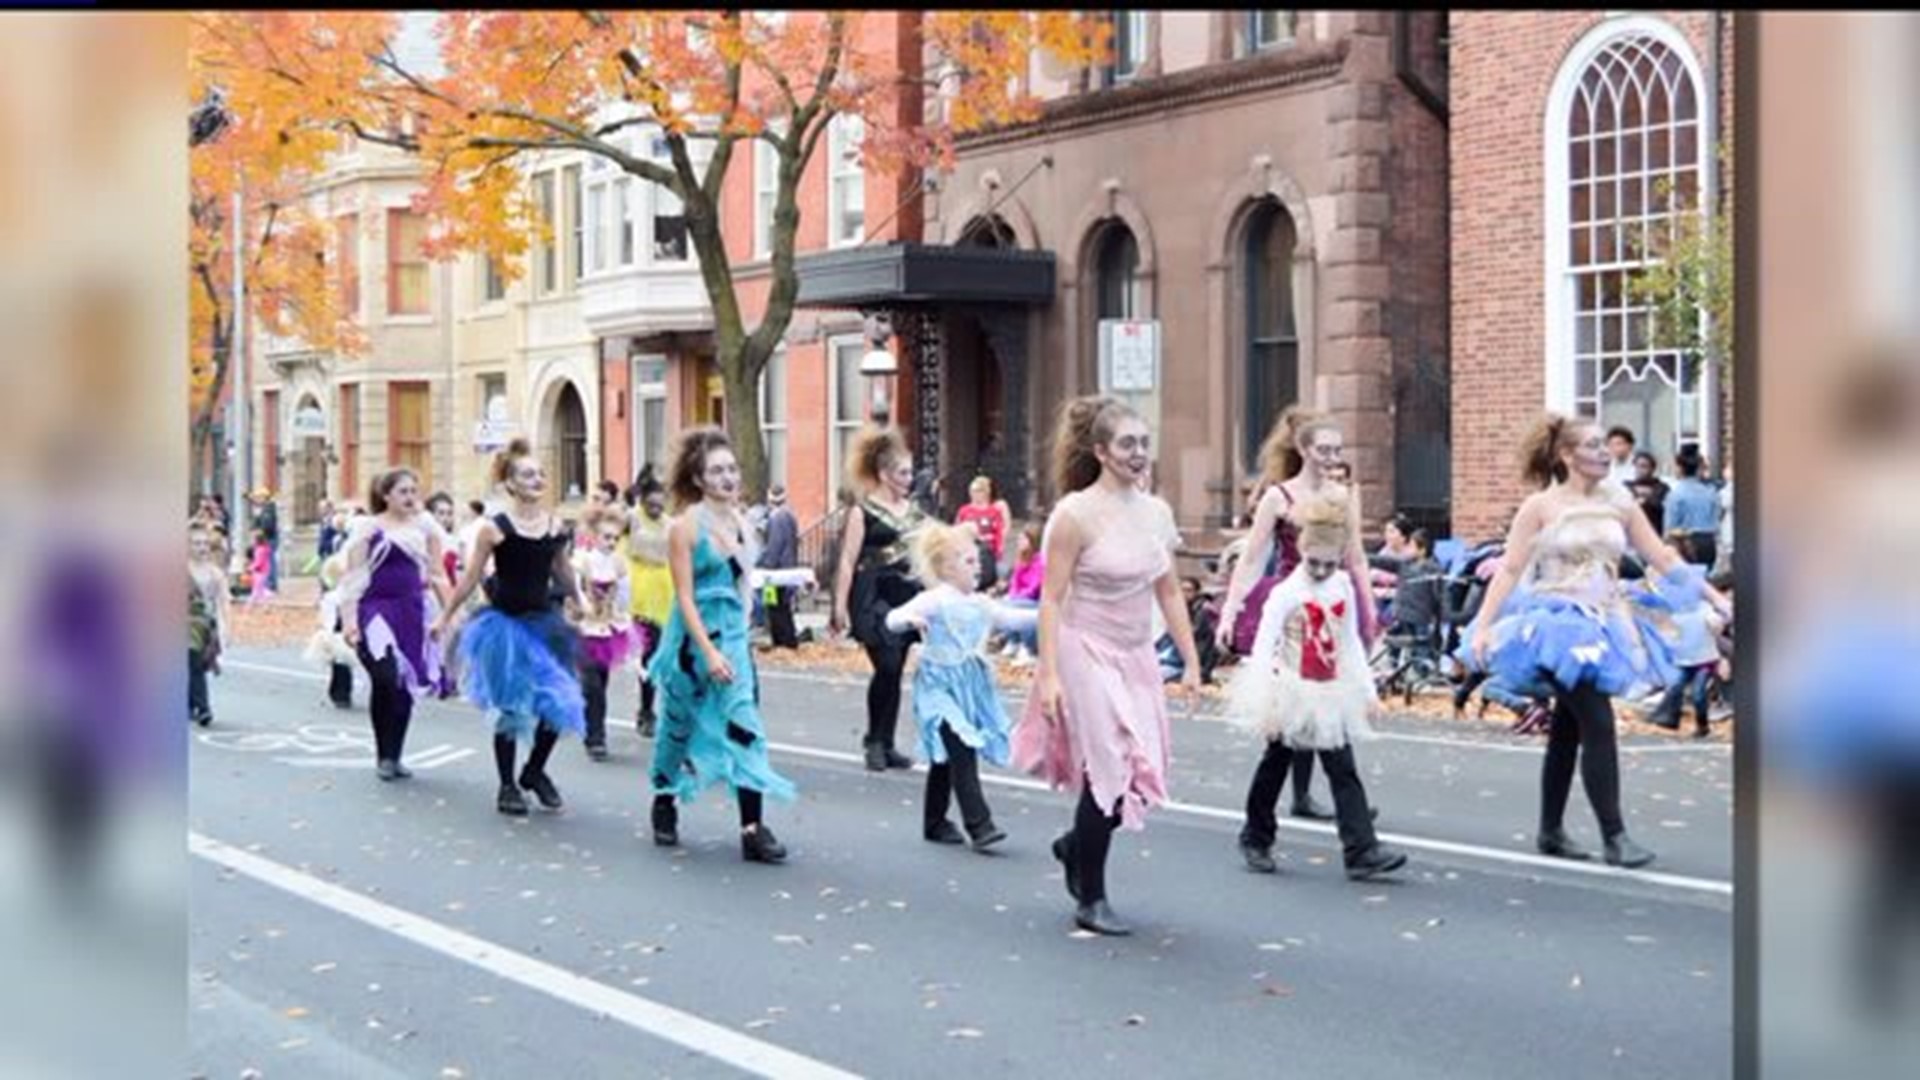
1129	355
308	423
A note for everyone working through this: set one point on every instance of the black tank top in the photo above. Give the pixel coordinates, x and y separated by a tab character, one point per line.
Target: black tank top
523	569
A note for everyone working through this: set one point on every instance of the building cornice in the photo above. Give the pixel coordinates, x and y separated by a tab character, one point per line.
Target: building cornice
1255	74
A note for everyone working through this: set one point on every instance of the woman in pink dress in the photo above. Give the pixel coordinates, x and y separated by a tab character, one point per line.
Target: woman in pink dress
1098	719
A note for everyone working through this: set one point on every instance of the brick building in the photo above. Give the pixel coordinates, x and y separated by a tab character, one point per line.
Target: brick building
1270	189
1565	126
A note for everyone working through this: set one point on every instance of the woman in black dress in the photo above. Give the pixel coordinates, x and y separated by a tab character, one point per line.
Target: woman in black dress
875	577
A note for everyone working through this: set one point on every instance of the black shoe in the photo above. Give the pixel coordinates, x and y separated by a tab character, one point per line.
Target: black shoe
1557	844
645	723
339	704
1259	859
388	770
542	788
1378	859
1311	810
1623	852
986	836
511	802
204	719
1666	723
761	846
1701	731
1100	919
597	751
876	758
401	772
1063	851
666	824
897	760
943	833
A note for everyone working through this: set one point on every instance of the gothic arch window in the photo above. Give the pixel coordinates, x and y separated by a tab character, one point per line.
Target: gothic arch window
1628	152
570	443
1116	275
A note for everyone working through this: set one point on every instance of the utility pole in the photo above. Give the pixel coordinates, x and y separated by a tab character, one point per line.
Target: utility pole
237	424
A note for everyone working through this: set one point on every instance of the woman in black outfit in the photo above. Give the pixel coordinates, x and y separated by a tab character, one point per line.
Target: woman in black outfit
875	577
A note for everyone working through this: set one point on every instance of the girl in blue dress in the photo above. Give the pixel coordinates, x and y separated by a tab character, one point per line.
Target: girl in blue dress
710	728
955	703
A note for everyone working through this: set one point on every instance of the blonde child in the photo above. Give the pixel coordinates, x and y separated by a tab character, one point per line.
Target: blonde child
954	700
605	618
1306	687
328	646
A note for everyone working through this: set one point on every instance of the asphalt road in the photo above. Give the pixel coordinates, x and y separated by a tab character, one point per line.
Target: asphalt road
346	927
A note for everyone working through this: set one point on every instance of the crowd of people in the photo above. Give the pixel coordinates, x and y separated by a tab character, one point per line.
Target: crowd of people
531	617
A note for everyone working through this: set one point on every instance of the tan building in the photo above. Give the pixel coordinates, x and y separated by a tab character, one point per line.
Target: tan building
1269	188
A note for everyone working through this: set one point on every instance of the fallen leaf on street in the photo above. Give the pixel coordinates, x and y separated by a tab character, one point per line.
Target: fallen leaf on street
965	1033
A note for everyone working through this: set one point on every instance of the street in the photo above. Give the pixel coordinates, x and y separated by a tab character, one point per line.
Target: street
345	927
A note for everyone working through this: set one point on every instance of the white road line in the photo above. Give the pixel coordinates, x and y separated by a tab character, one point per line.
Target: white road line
703	1037
1419	843
1709	886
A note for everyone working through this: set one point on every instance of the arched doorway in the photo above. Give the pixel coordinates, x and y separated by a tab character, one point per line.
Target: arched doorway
569	449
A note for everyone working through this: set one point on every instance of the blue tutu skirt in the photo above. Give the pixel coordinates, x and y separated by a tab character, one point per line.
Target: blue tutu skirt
961	696
1845	700
1545	641
522	668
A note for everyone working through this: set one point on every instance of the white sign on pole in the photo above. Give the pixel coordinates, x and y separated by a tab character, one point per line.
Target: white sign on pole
308	423
1129	355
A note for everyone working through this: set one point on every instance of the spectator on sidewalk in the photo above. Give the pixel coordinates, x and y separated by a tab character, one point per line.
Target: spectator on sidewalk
1620	443
1693	510
782	552
266	521
1649	490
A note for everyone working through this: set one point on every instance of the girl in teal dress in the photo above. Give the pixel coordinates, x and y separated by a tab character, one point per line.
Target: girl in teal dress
710	728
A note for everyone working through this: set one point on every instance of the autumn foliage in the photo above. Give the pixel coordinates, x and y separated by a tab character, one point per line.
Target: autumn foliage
513	84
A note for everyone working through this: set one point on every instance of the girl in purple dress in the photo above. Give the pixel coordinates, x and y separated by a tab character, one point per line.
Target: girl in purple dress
394	555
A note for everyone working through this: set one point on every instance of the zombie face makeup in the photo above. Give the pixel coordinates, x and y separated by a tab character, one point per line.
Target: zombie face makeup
1588	455
720	475
528	480
1322	562
1129	454
898	477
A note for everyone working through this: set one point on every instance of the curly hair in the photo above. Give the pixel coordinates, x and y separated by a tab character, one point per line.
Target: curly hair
1280	455
934	545
503	461
1085	423
873	452
690	461
1540	463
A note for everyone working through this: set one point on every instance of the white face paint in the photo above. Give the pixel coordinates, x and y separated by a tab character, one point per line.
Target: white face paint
1322	563
528	480
1129	454
1589	457
1325	453
720	475
898	477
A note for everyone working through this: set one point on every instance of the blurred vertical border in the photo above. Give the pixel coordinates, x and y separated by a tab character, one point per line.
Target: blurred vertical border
93	397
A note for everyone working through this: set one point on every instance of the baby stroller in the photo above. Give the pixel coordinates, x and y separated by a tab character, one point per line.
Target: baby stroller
1411	655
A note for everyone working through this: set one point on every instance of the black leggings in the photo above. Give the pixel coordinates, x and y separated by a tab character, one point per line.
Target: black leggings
545	738
1092	838
751	805
1582	728
390	704
958	777
652	634
1349	797
883	692
593	687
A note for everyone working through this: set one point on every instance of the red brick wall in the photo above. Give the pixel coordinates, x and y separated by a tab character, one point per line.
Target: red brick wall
1502	69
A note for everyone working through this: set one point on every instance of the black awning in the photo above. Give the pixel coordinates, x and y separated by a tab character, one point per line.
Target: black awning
902	274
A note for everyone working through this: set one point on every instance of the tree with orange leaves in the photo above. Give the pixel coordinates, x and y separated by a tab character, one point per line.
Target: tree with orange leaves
268	151
522	83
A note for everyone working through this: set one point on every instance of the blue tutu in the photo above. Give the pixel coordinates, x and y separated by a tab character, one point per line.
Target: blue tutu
1546	641
1845	704
521	667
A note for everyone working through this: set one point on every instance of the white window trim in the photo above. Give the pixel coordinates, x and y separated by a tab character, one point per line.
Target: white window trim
550	180
635	414
1137	27
1560	377
766	165
836	468
1289	35
837	170
785	424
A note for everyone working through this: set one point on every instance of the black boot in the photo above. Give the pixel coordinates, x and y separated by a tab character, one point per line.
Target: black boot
1259	859
511	802
1623	852
542	787
666	822
986	836
1100	919
897	760
758	844
1063	851
1376	860
646	723
943	832
876	757
1557	843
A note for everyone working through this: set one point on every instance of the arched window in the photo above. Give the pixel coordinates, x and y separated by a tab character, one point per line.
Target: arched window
1627	153
570	431
1272	354
1117	275
989	232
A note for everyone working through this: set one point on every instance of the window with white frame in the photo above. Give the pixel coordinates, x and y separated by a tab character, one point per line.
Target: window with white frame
766	192
1631	144
1267	29
1129	45
594	217
493	284
847	405
576	225
545	258
773	414
625	196
846	181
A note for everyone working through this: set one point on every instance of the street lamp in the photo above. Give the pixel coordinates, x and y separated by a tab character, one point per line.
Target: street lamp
208	121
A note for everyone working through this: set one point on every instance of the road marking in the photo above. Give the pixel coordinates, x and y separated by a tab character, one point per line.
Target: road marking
743	1052
429	759
1708	886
